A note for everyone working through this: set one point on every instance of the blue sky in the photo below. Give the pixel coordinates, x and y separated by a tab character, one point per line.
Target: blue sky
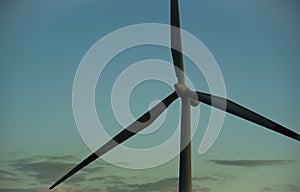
256	44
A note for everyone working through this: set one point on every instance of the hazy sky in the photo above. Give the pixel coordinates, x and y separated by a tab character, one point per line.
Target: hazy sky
256	44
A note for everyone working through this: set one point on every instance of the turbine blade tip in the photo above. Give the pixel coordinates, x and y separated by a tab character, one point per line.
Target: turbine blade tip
54	185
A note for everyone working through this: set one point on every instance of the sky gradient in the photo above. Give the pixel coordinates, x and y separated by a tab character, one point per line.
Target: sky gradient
256	44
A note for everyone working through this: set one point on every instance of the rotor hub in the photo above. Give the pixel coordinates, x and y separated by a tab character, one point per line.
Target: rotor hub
184	92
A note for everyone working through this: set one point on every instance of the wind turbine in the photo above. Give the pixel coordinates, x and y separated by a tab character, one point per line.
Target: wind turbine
188	98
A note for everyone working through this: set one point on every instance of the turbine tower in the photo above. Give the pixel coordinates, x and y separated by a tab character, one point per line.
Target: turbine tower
188	98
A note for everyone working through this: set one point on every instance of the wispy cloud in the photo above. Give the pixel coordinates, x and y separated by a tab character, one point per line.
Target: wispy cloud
96	179
164	185
44	172
293	188
74	180
250	163
169	184
109	180
205	178
47	169
8	176
70	189
224	176
266	189
17	190
42	158
60	158
281	187
204	189
7	173
93	169
132	188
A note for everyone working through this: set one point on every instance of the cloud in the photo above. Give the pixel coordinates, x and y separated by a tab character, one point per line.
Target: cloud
224	176
250	163
75	179
164	185
283	187
93	169
8	176
44	172
60	158
7	173
117	184
43	158
47	169
109	180
168	184
96	179
205	178
293	188
266	189
205	189
17	190
70	189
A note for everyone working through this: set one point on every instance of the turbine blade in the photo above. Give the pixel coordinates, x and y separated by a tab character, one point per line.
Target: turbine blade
141	123
176	47
240	111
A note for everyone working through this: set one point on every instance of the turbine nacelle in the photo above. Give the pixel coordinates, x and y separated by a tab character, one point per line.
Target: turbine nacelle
184	92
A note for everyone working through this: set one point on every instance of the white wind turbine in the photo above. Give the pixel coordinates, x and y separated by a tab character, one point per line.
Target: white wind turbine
187	97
